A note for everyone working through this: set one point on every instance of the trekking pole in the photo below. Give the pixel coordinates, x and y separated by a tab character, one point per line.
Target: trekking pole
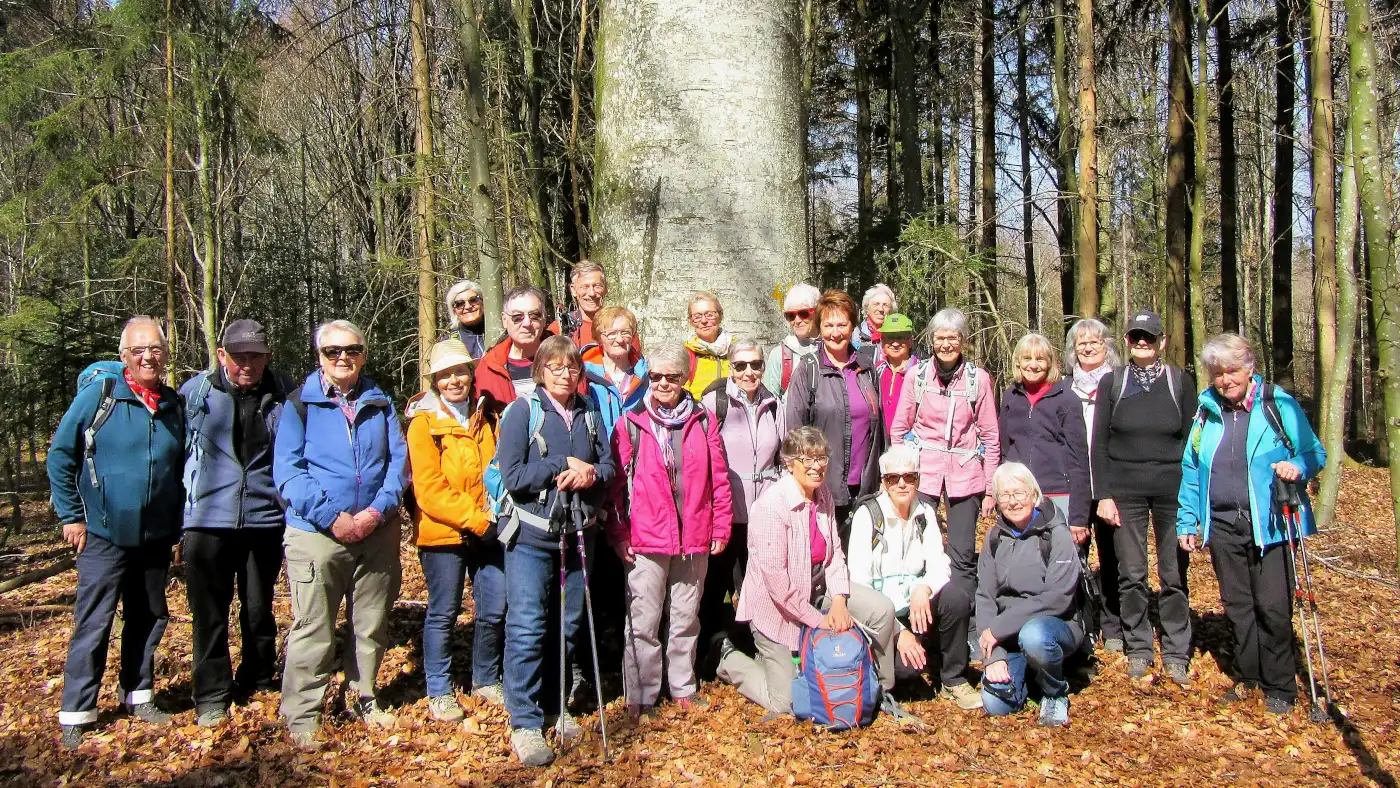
592	627
1286	497
563	618
1317	715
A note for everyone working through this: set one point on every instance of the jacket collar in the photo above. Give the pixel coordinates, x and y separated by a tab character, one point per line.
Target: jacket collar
1046	518
791	494
858	360
1212	403
1058	387
168	397
765	397
370	395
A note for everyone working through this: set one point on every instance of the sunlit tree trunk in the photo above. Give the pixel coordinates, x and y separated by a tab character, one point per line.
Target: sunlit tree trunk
1088	229
1178	142
1281	310
1200	123
1324	224
478	157
1332	404
424	197
1229	207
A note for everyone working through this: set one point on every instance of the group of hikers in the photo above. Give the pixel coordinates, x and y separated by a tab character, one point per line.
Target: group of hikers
742	497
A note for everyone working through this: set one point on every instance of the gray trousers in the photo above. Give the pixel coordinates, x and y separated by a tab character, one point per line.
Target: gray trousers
767	679
657	584
322	572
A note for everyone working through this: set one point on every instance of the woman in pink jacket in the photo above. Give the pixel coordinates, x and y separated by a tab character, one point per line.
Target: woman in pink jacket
674	511
948	411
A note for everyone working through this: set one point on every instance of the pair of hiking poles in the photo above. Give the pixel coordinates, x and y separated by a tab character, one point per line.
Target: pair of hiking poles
1289	501
577	520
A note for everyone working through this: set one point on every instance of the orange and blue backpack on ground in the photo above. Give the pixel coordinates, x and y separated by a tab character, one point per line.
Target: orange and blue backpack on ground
836	685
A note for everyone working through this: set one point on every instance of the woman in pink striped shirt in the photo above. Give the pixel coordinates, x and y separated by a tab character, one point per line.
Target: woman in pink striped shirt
797	577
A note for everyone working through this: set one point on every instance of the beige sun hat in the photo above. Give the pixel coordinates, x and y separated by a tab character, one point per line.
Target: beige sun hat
448	354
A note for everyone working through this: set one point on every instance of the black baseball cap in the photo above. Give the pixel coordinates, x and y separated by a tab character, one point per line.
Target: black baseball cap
1145	320
245	336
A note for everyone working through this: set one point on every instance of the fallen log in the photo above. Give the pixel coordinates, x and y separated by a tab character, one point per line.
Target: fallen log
37	575
23	615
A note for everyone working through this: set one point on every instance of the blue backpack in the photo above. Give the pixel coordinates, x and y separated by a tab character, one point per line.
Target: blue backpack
501	507
105	375
836	685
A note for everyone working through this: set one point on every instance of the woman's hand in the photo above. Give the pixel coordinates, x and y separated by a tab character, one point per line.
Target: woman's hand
578	476
1080	533
1187	542
717	546
1108	512
998	673
920	611
987	642
911	651
837	619
624	552
1287	471
989	505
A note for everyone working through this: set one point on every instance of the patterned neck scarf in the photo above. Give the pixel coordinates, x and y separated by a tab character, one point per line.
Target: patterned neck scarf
151	397
663	420
1086	383
718	348
1146	376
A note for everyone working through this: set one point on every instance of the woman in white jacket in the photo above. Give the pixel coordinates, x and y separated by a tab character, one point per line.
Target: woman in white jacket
897	549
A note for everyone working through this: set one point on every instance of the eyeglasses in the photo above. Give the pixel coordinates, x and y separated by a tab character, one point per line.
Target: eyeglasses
712	315
592	287
814	462
564	370
1088	344
798	314
463	302
519	318
947	341
1018	496
674	378
154	351
334	352
745	366
620	335
892	479
1141	338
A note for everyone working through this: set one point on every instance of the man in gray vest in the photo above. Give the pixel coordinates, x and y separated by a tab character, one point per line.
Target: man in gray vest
232	517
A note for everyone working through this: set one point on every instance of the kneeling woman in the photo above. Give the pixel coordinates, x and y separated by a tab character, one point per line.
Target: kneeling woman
897	549
796	568
1027	576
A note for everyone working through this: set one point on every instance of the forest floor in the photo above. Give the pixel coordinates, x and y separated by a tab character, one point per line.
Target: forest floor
1153	734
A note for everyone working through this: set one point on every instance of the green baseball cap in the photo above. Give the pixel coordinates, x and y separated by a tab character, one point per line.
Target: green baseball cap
897	324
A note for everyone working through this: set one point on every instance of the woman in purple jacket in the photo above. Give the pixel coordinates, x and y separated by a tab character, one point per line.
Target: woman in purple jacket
674	511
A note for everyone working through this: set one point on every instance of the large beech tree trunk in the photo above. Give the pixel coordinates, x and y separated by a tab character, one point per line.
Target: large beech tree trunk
699	173
1178	145
1281	308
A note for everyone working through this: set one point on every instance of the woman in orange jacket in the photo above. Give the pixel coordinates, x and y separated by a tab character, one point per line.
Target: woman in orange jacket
450	441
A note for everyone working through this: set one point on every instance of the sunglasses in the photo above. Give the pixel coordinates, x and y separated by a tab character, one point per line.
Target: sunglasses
910	479
674	378
1139	337
520	317
334	352
745	366
798	314
462	302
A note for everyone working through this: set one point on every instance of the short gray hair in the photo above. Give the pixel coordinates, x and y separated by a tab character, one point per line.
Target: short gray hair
1097	330
671	356
138	322
338	325
1009	472
900	458
803	442
879	289
741	344
460	287
801	295
948	319
1227	351
583	267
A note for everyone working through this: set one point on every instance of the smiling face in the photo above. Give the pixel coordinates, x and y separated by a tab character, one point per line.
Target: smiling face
244	370
897	348
1016	502
810	472
878	308
947	346
746	370
667	382
454	383
1232	383
468	307
902	486
1034	367
144	354
589	290
1143	347
616	339
524	319
705	318
801	320
1090	351
342	357
836	331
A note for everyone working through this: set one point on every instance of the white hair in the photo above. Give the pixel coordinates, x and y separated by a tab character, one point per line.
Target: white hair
740	345
949	319
1096	330
462	286
338	325
801	296
138	322
671	356
1227	351
899	459
1009	472
879	289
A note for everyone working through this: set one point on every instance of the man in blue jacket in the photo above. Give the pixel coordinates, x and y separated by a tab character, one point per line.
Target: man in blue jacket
114	470
233	517
340	463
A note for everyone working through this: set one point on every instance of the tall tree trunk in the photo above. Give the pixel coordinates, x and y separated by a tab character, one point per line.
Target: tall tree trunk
1336	380
1229	205
171	271
656	169
575	101
1065	181
989	146
1178	144
1023	114
423	170
1364	125
1324	224
1088	235
478	157
935	110
536	207
1281	312
207	158
865	200
1201	126
904	30
811	9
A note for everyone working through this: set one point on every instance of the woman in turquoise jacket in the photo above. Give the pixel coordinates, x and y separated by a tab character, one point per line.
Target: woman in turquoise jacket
1233	453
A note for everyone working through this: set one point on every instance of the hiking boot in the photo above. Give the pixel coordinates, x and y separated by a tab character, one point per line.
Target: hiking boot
967	698
305	740
1113	645
720	647
1239	693
530	747
1278	706
692	702
491	693
147	712
1054	712
72	735
445	708
568	729
1179	673
1138	667
373	716
212	717
636	711
896	712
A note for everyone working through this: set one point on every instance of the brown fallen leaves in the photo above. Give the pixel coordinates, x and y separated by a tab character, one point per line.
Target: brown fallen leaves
1120	734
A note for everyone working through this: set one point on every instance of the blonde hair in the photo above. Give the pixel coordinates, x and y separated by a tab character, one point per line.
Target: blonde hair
704	295
1009	472
1031	345
1226	351
609	314
585	267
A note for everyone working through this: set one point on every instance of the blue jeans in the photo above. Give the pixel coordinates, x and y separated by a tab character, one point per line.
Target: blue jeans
532	594
444	572
486	564
1043	642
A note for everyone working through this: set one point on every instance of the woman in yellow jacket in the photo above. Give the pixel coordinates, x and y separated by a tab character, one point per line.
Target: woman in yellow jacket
450	441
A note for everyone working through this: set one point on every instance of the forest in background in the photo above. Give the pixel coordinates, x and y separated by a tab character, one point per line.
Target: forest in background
1229	164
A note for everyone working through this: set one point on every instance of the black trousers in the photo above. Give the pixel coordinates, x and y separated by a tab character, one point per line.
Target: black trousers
218	562
723	578
952	608
1111	618
1173	605
1258	600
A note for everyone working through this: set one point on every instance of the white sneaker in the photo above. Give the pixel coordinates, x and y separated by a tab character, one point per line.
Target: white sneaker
491	693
